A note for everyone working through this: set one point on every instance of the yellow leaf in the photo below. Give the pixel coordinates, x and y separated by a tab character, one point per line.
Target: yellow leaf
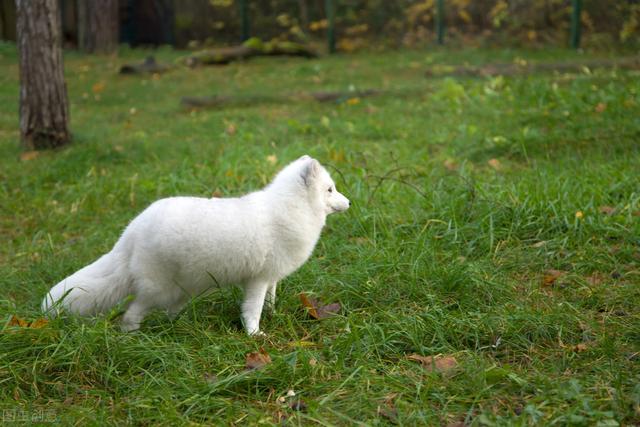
353	101
39	323
16	321
336	156
272	159
579	215
98	87
302	343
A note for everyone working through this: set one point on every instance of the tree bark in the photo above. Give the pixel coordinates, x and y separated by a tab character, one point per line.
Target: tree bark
98	26
44	111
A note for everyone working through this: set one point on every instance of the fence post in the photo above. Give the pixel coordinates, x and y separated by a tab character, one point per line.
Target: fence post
244	18
440	21
575	23
331	17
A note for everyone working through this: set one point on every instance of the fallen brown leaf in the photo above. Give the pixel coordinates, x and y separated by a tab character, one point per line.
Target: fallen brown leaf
596	278
600	107
210	378
438	363
450	164
607	210
550	276
257	359
495	164
578	348
316	309
298	405
29	155
231	129
360	240
388	410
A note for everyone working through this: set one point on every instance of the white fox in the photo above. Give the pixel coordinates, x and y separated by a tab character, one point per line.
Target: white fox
180	247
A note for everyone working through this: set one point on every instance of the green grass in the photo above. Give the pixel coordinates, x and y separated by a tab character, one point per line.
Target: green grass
441	253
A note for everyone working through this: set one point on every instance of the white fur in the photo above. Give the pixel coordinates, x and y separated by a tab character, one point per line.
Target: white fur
181	247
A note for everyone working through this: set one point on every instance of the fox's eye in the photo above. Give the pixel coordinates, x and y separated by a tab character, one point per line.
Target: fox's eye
330	190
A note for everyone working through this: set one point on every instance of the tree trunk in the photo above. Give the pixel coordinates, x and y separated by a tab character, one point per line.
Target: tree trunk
44	111
98	26
304	15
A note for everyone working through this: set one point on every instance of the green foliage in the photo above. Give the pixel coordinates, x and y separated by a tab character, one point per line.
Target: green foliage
464	191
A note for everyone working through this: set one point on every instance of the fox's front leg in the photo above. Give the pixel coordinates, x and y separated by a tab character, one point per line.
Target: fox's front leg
254	295
271	296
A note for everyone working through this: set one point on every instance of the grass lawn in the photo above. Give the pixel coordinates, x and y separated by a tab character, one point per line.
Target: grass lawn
465	193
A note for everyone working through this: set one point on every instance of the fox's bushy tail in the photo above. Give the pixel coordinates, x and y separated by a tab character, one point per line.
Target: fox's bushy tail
93	289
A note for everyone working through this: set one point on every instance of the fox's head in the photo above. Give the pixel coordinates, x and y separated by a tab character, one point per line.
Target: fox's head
320	187
307	178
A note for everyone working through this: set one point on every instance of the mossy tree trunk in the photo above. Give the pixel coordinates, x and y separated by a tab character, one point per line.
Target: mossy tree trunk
98	28
44	111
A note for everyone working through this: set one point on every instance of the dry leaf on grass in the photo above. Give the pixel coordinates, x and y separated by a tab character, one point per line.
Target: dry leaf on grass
298	405
578	348
596	278
16	321
231	129
257	359
607	210
29	155
495	164
435	363
550	276
21	323
316	309
98	87
388	410
450	164
600	107
272	159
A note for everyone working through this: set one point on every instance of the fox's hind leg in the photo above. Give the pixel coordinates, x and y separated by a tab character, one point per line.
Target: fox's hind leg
254	295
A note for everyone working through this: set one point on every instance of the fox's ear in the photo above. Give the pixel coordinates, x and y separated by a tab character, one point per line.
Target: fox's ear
310	171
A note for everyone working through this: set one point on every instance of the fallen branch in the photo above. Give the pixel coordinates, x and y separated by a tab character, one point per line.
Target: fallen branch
149	65
219	101
251	48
